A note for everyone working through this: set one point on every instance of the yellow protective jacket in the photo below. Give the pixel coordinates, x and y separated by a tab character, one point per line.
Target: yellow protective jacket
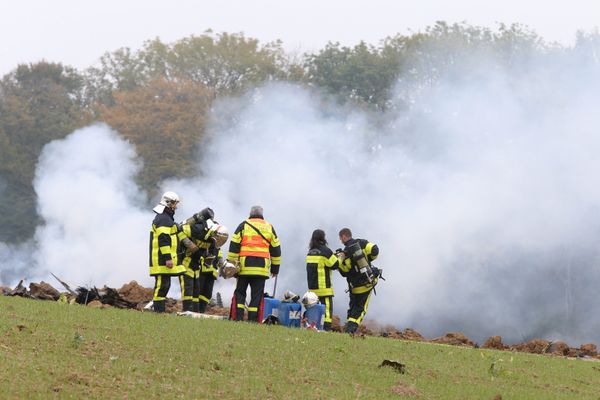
356	280
320	261
164	245
256	246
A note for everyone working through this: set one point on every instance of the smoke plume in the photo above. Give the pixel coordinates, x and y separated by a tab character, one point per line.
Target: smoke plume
481	191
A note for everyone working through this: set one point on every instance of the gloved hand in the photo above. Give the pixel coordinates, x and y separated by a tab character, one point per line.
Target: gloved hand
191	246
169	264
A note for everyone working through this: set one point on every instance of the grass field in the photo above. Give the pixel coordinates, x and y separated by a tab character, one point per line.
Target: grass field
54	350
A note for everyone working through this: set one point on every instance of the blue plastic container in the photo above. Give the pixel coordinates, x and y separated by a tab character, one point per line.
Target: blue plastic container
289	314
316	315
270	307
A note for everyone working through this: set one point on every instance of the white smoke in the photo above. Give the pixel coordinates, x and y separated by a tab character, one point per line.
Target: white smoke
482	196
95	231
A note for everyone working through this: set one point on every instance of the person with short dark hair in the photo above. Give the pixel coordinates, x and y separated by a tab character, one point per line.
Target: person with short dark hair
320	262
355	264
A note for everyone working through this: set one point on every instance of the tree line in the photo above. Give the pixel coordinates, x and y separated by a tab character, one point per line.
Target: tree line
158	97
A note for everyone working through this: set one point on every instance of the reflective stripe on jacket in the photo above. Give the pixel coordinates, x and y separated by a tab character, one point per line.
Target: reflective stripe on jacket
164	246
319	264
356	280
256	255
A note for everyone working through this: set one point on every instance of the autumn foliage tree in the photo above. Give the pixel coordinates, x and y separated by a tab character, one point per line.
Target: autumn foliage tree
165	120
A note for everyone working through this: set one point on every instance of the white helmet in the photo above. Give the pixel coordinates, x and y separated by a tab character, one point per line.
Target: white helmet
220	234
310	299
229	269
168	199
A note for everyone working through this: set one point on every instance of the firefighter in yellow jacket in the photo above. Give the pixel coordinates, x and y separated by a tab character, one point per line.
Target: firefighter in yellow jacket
196	230
320	262
255	246
164	249
205	236
355	265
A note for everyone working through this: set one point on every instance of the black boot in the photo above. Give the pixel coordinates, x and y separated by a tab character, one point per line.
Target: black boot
159	306
327	326
186	305
201	306
196	307
351	327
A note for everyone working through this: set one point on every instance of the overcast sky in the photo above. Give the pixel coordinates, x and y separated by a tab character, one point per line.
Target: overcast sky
78	32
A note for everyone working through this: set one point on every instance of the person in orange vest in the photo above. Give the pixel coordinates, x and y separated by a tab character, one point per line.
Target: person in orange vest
255	247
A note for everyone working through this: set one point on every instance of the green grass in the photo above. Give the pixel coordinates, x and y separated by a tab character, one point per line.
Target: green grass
68	351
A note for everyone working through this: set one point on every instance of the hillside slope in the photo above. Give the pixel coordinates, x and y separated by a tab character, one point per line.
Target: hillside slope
49	349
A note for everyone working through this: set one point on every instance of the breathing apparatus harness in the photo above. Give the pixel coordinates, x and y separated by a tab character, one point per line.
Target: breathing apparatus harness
361	265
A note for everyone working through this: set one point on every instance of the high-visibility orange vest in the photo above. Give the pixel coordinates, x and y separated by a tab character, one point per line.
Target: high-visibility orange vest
253	244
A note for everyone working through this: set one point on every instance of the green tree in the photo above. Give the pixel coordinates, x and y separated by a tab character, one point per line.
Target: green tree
225	63
38	103
364	74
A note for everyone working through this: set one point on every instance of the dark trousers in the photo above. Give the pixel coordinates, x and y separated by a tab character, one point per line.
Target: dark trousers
328	302
162	284
255	308
357	310
206	283
190	287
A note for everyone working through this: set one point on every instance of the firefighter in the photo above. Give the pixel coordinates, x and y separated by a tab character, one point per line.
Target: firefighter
164	249
196	232
255	246
202	258
320	262
355	264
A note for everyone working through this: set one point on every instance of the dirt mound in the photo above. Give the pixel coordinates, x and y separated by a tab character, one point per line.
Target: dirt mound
535	346
4	290
134	293
411	334
336	325
43	291
588	349
494	342
454	339
560	349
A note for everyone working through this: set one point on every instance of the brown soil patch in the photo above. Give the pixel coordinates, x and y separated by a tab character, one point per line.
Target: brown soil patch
454	339
535	346
589	349
134	293
402	389
494	342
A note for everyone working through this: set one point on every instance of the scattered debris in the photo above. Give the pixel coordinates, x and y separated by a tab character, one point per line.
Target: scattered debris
399	367
19	290
65	285
43	291
199	315
134	296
